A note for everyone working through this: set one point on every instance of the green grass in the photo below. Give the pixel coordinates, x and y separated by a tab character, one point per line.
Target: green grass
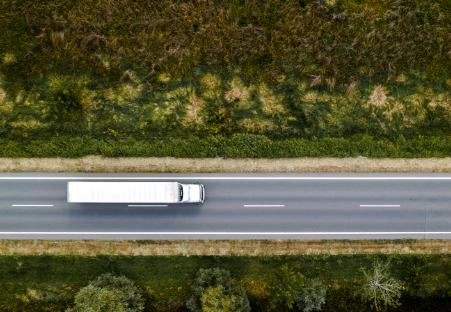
25	279
235	146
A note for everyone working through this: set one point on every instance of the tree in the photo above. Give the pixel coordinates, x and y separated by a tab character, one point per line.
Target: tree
109	293
214	300
379	286
215	290
284	288
312	296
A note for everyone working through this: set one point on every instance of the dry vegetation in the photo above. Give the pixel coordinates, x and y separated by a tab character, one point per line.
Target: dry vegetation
223	247
297	68
212	165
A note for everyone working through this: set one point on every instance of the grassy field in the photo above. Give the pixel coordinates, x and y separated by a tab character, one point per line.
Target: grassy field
176	69
48	283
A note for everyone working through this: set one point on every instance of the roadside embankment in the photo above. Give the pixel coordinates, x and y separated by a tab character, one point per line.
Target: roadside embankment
212	165
222	247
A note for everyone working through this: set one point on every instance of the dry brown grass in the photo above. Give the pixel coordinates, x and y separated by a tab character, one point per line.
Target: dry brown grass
211	165
222	247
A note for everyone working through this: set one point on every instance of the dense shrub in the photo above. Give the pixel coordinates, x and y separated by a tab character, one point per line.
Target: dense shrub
312	296
215	300
216	290
109	293
67	102
284	287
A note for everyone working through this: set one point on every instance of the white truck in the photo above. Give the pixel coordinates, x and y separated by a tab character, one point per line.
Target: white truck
135	192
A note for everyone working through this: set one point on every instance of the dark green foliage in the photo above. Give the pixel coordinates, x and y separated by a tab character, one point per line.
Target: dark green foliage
312	296
236	146
67	103
418	278
230	291
168	279
109	293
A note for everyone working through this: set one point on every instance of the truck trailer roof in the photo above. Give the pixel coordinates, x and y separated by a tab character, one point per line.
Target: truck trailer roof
123	192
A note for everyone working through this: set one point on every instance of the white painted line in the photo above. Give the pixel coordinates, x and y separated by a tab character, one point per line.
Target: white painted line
147	205
219	233
380	205
264	205
227	178
32	205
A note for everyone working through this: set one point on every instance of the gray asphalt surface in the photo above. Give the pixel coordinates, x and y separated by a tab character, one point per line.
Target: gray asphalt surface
313	209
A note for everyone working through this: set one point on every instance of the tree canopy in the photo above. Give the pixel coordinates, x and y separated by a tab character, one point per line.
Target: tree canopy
215	290
108	293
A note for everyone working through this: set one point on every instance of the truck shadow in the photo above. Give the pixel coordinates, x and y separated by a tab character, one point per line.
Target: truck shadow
122	210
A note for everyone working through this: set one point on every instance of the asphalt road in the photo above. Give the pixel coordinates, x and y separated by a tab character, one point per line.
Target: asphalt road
237	206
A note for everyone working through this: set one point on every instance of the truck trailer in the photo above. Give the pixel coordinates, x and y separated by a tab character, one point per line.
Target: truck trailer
135	192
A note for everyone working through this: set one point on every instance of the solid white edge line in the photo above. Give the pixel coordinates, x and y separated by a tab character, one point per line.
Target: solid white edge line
218	233
380	205
227	178
264	205
147	205
32	205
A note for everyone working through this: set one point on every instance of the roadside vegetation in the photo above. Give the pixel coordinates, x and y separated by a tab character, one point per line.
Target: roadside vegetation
17	247
228	283
234	146
225	79
95	164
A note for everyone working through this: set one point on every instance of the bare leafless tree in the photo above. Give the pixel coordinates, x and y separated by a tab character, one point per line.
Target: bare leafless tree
379	286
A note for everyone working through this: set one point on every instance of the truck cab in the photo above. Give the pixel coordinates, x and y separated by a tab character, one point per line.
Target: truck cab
192	193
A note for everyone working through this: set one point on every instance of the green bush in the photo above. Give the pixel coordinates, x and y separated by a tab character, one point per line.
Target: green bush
312	296
418	279
67	102
215	290
109	293
214	300
284	288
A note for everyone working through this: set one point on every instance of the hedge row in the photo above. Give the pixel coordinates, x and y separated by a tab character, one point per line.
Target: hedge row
235	146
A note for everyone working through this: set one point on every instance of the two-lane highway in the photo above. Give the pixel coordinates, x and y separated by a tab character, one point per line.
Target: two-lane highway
237	206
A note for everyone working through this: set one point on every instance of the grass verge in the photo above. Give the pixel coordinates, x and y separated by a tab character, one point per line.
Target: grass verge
214	165
222	247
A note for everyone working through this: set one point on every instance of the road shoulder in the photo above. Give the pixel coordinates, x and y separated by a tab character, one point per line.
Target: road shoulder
223	247
215	165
